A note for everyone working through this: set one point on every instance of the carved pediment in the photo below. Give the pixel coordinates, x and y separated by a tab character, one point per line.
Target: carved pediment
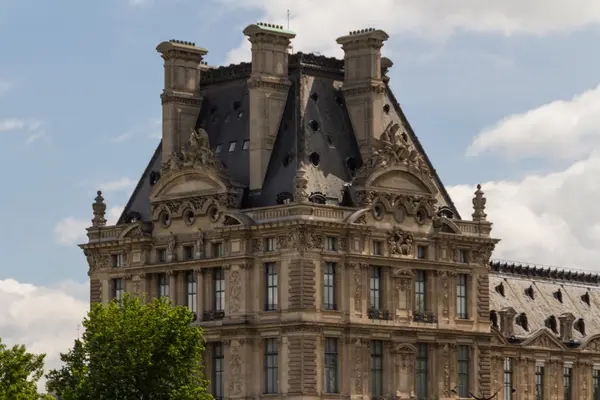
445	225
402	273
401	179
544	339
186	182
592	344
404	348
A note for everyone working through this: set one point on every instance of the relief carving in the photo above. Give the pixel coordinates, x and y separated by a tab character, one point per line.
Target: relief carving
171	248
235	294
358	367
288	240
542	341
196	153
357	288
96	260
235	365
593	345
483	254
301	184
400	242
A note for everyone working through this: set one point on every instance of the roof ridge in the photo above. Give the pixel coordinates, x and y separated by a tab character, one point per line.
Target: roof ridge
544	271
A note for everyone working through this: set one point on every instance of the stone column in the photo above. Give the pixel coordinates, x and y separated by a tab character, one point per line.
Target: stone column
357	367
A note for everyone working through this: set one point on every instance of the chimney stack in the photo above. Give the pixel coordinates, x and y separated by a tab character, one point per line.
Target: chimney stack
566	326
364	89
507	321
268	88
181	100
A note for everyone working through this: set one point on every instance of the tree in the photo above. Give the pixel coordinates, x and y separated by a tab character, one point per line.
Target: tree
134	350
20	372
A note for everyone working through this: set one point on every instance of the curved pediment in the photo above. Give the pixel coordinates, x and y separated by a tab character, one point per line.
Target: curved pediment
190	181
592	344
400	178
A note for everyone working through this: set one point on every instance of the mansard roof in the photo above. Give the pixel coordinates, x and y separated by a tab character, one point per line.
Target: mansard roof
315	121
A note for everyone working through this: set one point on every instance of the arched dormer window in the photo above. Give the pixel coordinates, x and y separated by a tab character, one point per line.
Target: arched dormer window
494	318
530	293
551	324
500	289
317	198
522	321
580	326
586	298
558	295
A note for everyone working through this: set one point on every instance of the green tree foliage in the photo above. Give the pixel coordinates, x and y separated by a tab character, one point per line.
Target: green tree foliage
20	372
134	350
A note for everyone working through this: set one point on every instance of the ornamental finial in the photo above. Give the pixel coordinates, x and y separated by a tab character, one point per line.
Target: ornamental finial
99	208
479	205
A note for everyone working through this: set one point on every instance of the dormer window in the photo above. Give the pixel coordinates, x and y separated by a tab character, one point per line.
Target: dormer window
219	148
522	321
529	292
500	289
494	318
580	326
246	144
232	146
551	324
586	298
558	295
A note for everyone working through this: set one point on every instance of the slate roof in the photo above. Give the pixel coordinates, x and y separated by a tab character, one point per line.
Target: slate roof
543	292
315	121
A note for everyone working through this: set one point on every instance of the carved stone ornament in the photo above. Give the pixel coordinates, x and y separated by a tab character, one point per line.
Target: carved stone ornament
99	208
301	184
96	260
199	243
288	241
235	365
358	367
479	205
400	242
483	254
357	288
235	295
171	248
593	345
542	341
196	153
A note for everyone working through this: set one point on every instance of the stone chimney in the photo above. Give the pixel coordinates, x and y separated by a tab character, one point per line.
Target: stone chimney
507	321
566	326
364	89
268	87
181	100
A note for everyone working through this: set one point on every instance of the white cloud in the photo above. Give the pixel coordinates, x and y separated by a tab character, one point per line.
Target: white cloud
44	319
123	184
70	231
559	129
432	19
31	127
547	219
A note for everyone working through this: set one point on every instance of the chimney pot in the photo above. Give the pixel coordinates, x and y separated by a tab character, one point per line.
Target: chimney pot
566	326
507	321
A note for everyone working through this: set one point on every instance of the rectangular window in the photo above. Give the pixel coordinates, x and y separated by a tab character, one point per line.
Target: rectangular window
331	243
375	288
219	148
330	372
188	253
539	382
376	248
190	282
118	289
161	255
376	368
163	285
463	370
568	382
508	378
270	244
270	287
463	256
246	144
271	355
217	249
218	362
422	372
232	146
329	302
421	252
461	296
219	290
420	291
117	260
596	383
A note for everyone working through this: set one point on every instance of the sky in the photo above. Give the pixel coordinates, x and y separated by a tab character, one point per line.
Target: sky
505	94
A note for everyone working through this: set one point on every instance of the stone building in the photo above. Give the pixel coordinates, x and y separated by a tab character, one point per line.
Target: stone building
293	209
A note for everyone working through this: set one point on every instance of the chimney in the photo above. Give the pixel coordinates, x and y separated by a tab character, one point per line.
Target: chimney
364	89
507	321
181	100
268	88
566	326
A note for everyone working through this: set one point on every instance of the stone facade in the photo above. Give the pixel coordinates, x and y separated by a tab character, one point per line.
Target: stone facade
385	291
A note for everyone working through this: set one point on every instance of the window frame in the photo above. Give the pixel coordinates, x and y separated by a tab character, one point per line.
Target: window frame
377	371
420	305
508	378
539	382
330	365
568	382
463	357
271	286
271	366
163	285
462	299
218	290
329	286
191	291
118	289
375	300
422	371
218	370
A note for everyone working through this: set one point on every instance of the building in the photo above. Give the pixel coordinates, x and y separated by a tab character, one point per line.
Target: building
292	208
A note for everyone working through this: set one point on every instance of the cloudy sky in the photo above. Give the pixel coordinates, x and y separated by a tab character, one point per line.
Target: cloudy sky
503	93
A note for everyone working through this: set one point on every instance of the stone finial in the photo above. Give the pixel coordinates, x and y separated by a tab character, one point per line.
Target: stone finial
507	321
99	207
479	205
566	326
301	184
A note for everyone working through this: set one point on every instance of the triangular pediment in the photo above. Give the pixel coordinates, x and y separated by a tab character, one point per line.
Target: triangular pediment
544	339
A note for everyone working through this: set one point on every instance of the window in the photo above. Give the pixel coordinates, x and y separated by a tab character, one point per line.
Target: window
420	291
118	289
331	243
270	287
219	289
508	378
217	249
190	282
463	370
461	296
421	372
117	260
188	253
539	382
568	382
331	366
595	384
270	244
271	355
329	302
376	368
375	288
161	255
218	362
376	248
163	285
219	148
246	144
232	146
463	256
421	252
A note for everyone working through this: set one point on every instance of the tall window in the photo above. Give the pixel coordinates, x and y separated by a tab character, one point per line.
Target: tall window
375	288
461	296
163	285
190	282
421	372
596	383
217	249
218	362
118	289
270	244
420	291
539	382
329	302
376	368
331	243
219	289
463	370
331	365
270	287
508	378
271	355
568	382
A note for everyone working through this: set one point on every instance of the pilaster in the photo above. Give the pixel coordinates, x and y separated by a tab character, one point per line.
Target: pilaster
200	302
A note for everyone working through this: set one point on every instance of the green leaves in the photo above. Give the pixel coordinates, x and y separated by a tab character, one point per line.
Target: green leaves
19	373
134	350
